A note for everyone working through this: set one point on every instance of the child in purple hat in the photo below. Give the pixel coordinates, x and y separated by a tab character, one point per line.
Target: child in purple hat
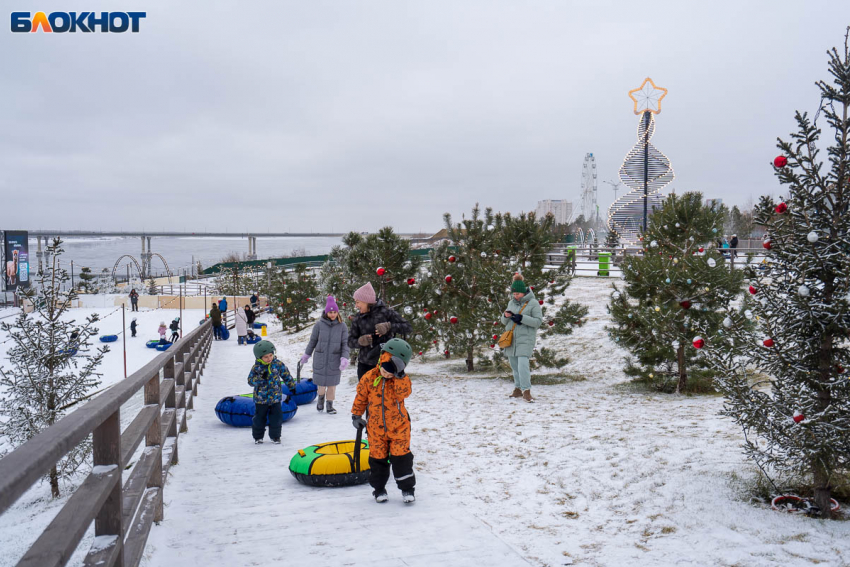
329	343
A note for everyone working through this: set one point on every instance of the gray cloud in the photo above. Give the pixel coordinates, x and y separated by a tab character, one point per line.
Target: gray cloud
302	115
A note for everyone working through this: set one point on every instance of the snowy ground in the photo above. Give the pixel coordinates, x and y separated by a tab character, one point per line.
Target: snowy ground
594	473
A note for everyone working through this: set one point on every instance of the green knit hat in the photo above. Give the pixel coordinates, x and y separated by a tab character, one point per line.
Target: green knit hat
263	348
518	286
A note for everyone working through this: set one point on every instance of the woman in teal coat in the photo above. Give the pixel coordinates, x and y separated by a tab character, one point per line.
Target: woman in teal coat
524	316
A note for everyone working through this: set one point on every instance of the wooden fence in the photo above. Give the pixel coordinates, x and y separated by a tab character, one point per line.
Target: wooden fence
122	511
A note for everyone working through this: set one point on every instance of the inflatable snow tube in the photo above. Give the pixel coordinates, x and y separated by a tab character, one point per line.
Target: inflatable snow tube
162	348
254	340
238	411
259	325
108	338
305	392
68	352
330	464
202	322
151	344
225	334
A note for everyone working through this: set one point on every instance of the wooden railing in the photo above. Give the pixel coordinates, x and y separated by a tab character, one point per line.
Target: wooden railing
122	511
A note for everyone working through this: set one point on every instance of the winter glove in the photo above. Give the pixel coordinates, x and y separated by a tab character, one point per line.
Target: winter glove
516	318
358	421
343	364
383	328
365	340
305	358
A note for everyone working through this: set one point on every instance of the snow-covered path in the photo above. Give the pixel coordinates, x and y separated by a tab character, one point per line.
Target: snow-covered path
230	502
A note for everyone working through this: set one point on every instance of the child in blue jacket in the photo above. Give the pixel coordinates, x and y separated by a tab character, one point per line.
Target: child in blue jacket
267	376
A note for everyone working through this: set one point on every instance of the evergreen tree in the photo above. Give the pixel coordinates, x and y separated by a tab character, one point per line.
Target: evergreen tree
234	281
45	380
153	289
294	296
677	291
87	281
105	283
801	424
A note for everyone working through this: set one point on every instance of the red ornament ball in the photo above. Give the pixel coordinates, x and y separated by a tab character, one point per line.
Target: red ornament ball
540	301
699	342
344	304
428	316
798	417
452	259
685	304
447	353
448	279
531	288
492	346
411	281
435	342
701	249
780	161
306	299
781	208
551	323
766	244
420	353
753	290
768	342
381	271
495	337
453	320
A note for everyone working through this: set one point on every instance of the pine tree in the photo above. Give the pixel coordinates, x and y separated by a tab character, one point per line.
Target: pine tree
800	425
384	259
234	281
105	283
87	283
153	289
294	296
677	291
45	380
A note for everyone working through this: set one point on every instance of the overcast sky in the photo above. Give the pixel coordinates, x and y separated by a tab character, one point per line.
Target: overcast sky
351	115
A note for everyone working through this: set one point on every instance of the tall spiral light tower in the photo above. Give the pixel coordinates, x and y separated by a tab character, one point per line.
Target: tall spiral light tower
645	170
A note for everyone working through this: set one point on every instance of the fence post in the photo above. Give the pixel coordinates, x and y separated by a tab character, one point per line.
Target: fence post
153	438
106	449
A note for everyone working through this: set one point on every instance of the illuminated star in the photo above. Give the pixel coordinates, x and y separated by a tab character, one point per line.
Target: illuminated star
647	97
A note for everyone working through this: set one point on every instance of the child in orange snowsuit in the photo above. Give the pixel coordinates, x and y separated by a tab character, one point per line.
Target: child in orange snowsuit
381	393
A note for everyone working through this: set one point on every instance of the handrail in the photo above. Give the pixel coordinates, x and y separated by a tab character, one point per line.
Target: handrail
169	380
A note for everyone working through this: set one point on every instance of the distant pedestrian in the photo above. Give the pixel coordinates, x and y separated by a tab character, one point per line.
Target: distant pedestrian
255	301
162	331
241	326
733	244
215	319
134	300
222	306
175	330
329	342
133	327
372	328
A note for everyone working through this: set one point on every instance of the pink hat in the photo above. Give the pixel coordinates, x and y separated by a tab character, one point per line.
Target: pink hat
331	305
366	294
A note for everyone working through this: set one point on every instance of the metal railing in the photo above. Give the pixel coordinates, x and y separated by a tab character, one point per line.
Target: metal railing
122	511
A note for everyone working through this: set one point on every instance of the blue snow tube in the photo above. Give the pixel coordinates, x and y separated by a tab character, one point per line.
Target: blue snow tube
259	325
108	338
152	344
305	392
254	340
68	351
238	411
225	334
162	348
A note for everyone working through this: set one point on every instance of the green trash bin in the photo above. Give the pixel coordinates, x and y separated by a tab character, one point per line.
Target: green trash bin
604	264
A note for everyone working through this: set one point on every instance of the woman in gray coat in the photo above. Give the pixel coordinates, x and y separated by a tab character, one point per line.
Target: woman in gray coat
329	341
524	316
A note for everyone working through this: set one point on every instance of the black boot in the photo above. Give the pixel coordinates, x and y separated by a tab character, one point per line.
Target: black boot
331	407
320	405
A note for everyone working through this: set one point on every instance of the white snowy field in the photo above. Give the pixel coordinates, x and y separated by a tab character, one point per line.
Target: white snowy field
594	473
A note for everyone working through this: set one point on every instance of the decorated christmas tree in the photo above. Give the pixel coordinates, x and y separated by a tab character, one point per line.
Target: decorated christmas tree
797	422
675	296
385	259
294	295
50	369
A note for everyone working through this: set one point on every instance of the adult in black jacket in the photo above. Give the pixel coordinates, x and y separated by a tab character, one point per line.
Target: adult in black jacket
250	315
733	244
372	327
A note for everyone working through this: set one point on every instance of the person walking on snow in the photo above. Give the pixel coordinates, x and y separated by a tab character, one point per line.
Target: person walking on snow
523	315
372	328
268	376
222	306
215	319
251	317
381	393
175	330
134	300
329	342
255	301
241	326
733	244
133	325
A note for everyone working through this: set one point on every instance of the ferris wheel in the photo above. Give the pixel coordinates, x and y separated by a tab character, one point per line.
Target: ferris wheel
589	191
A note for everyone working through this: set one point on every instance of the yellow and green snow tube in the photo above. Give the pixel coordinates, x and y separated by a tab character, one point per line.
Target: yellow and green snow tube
331	464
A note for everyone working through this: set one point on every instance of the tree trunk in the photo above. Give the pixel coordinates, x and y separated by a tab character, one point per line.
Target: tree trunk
683	375
54	482
823	491
470	353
